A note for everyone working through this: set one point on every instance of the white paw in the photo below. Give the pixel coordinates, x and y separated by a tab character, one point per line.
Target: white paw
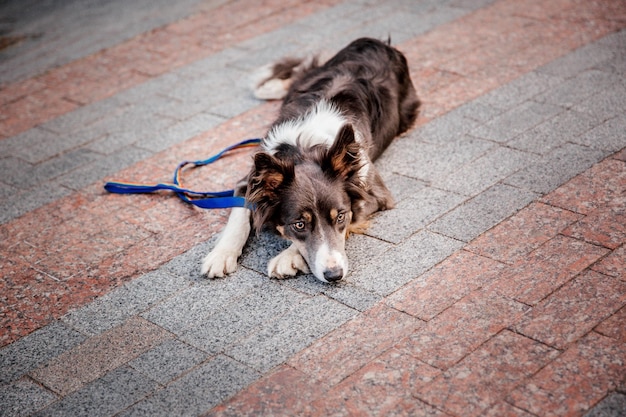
287	264
219	263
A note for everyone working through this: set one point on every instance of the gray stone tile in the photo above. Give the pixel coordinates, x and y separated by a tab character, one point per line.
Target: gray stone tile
413	214
479	111
386	273
202	300
482	212
605	103
106	396
167	361
37	348
445	129
23	397
428	162
580	60
112	142
123	302
35	145
612	405
104	166
578	88
609	136
156	141
31	199
564	127
187	265
401	186
482	173
556	167
84	116
264	304
516	120
198	391
260	249
517	91
278	340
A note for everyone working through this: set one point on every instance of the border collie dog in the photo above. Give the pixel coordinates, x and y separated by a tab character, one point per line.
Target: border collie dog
314	180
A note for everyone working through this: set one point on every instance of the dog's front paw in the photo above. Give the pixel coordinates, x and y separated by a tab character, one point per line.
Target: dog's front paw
287	264
219	263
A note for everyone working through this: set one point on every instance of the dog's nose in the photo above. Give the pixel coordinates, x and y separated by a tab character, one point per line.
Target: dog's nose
333	274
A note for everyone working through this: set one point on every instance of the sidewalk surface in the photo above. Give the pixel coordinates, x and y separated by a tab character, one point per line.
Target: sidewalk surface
496	287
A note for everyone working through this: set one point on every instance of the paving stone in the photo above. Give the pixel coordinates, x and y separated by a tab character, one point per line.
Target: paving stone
24	397
128	300
429	162
402	187
573	310
613	326
386	273
106	396
80	119
612	264
604	227
382	388
198	391
168	360
433	292
98	355
544	270
518	91
577	88
283	390
459	330
582	59
564	127
41	346
607	136
445	128
514	238
605	103
278	340
103	167
482	173
260	249
478	381
242	318
556	168
596	188
574	381
412	214
29	200
515	121
197	303
482	212
351	346
612	406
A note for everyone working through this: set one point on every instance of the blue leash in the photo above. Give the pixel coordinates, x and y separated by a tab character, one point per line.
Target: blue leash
202	199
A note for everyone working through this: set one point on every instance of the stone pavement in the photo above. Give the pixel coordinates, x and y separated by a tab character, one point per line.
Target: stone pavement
496	287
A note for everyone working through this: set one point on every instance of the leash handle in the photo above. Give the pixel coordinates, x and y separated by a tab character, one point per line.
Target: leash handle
202	199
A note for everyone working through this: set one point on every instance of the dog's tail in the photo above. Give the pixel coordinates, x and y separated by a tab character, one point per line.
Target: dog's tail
272	81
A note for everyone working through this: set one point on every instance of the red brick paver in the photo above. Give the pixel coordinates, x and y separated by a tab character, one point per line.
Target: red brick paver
95	259
479	352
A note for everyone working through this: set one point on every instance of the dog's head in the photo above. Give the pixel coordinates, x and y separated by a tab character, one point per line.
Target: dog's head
308	196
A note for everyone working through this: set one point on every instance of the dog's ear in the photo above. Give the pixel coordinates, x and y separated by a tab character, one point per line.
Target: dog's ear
343	158
267	177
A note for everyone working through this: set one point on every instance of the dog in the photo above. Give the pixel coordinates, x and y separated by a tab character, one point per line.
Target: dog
314	181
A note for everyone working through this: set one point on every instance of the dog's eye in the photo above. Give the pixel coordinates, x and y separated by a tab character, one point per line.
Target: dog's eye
298	226
340	217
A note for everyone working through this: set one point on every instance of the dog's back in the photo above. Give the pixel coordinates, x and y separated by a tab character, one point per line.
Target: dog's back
368	82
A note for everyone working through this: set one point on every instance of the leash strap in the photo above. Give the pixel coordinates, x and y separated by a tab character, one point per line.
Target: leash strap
202	199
